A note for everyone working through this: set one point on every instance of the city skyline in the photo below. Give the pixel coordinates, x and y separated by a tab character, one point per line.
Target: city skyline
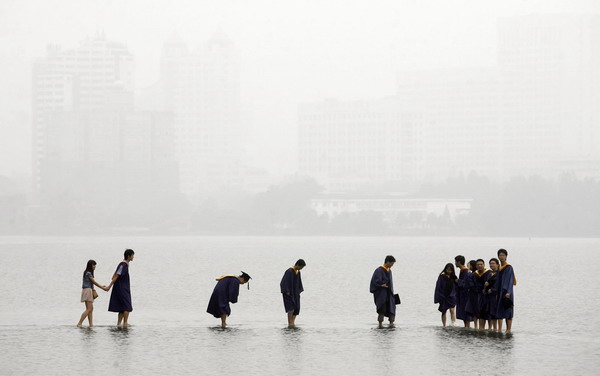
289	62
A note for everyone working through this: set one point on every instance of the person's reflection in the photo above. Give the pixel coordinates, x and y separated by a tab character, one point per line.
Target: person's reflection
453	343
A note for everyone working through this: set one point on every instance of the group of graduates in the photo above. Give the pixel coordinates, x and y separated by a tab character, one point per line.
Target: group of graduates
478	294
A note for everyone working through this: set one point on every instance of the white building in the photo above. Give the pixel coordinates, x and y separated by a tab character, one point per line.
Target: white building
396	210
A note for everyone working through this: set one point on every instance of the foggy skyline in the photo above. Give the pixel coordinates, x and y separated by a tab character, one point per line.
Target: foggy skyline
291	52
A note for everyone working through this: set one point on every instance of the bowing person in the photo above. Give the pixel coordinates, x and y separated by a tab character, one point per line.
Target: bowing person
226	291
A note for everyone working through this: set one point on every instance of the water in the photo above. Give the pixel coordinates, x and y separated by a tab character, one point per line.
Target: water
555	330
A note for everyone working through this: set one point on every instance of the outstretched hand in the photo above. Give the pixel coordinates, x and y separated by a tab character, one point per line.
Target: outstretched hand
105	288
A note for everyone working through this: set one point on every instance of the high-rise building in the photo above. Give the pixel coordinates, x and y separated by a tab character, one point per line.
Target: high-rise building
94	153
98	74
201	87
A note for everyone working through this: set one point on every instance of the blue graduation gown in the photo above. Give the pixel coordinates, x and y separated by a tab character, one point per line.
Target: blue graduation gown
383	297
120	296
462	296
482	311
491	298
226	291
445	293
505	280
472	307
291	287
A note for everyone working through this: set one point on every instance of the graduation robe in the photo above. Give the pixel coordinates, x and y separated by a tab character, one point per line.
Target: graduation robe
482	311
383	297
291	287
491	299
462	296
226	291
445	293
120	297
505	280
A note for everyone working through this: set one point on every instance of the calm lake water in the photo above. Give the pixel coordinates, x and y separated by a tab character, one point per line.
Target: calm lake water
555	327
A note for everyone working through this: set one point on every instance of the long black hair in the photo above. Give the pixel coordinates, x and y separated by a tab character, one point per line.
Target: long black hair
89	267
451	266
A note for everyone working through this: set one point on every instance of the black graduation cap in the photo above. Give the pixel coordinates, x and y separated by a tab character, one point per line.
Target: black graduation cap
507	303
247	277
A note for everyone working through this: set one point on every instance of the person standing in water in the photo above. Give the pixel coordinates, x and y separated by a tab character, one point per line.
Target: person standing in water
382	288
462	291
491	296
291	287
87	293
505	280
445	293
120	298
226	291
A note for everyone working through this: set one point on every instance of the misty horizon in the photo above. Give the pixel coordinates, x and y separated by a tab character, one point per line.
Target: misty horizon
305	99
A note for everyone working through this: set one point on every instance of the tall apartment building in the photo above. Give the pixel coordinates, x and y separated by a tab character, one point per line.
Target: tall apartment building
97	74
201	87
90	144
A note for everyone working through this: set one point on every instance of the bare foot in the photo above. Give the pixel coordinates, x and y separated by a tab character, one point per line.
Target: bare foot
391	325
79	325
380	326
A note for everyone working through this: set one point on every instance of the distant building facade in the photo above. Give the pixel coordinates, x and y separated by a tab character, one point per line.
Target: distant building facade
348	144
395	210
96	75
201	87
90	144
536	113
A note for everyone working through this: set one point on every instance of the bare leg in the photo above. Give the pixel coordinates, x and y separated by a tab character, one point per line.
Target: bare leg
444	319
85	313
223	321
467	324
500	325
476	323
91	314
125	317
453	315
119	318
481	324
508	325
290	318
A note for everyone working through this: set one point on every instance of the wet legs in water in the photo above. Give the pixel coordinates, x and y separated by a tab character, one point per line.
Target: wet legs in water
467	324
452	317
291	319
123	317
380	317
508	325
89	311
223	321
482	324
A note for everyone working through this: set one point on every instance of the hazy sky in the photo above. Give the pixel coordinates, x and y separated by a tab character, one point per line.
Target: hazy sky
292	51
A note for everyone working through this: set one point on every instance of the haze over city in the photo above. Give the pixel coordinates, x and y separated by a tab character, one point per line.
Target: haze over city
407	115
